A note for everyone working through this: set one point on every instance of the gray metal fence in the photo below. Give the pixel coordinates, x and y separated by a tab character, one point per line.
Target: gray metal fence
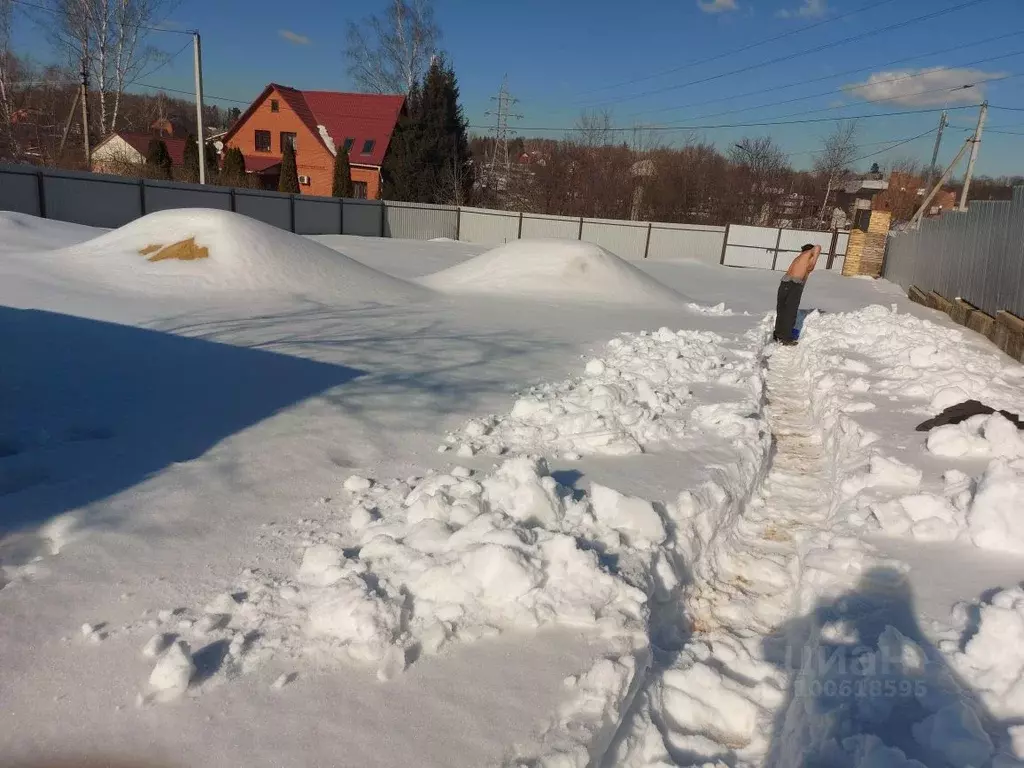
976	255
111	201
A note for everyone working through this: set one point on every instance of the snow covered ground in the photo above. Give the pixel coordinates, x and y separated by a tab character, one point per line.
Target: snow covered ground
341	501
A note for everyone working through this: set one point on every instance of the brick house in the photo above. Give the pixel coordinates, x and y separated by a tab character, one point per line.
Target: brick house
317	123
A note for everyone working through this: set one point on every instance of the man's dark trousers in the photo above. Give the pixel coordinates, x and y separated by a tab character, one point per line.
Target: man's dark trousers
790	291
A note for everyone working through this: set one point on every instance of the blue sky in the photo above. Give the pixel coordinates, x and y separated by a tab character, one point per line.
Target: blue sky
562	56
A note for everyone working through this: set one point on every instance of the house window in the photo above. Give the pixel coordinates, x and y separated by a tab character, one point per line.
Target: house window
368	146
262	141
347	146
359	190
275	105
288	138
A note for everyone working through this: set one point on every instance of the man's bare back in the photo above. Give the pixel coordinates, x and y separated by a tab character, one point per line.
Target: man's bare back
804	264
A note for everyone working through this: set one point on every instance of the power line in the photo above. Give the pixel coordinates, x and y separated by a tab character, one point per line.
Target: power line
854	88
167	61
140	26
1008	109
206	96
748	125
789	57
733	51
898	144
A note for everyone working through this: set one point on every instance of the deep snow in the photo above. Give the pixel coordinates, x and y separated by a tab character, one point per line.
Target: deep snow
236	541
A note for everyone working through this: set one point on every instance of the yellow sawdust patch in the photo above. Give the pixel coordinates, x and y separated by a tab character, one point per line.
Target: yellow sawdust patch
774	534
183	250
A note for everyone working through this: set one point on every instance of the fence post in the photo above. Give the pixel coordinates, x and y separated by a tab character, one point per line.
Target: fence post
383	215
291	211
233	202
458	222
832	249
142	195
341	216
519	235
647	245
775	256
725	244
581	229
41	193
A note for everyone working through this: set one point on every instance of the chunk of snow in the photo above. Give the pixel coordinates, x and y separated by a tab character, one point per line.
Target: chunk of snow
173	671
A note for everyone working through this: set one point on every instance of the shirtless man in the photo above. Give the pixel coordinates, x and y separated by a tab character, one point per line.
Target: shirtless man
790	291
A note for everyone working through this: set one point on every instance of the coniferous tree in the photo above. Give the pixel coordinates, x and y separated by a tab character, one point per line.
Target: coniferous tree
158	159
191	158
429	158
289	181
342	186
234	165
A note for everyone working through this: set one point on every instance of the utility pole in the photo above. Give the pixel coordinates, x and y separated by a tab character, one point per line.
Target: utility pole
943	122
916	219
501	130
975	144
201	138
85	113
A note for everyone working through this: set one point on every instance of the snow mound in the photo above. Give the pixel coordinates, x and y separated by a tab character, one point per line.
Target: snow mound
21	232
983	436
634	395
992	661
201	250
566	270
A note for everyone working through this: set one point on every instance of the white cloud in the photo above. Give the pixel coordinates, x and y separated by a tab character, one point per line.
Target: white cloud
294	37
717	6
923	87
809	9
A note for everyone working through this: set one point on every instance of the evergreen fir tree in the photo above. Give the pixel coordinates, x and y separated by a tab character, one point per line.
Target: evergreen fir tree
342	186
289	181
234	165
158	159
429	159
400	170
191	158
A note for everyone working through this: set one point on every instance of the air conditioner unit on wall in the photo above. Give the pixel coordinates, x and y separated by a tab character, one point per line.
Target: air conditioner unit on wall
304	180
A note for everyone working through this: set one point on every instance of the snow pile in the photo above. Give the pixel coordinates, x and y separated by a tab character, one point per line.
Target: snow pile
636	394
562	270
992	660
241	254
718	310
994	517
914	359
983	436
409	567
21	232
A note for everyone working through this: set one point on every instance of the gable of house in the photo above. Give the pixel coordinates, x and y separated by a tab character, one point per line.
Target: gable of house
127	148
322	123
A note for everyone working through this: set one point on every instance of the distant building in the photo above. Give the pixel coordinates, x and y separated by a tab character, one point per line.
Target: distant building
317	124
122	150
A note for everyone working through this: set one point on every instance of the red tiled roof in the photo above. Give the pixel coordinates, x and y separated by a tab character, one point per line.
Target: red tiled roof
260	163
357	116
140	142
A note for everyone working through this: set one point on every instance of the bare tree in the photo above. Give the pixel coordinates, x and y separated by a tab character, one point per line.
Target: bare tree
836	157
391	52
12	149
763	168
108	37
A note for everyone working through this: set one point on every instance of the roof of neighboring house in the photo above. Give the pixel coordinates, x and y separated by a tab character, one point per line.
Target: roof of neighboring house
260	163
140	143
358	116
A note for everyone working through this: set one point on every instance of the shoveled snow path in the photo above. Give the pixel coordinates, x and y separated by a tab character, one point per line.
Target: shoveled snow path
719	699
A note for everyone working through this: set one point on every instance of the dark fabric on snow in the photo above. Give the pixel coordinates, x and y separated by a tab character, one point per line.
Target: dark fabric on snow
788	306
963	411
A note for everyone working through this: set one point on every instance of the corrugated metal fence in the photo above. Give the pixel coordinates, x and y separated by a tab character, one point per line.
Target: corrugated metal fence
110	201
976	255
